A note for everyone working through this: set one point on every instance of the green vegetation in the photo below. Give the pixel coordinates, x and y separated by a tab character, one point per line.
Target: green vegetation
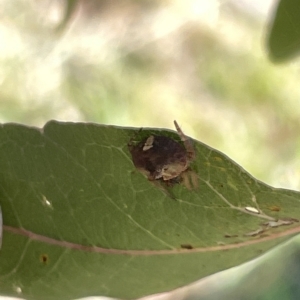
78	220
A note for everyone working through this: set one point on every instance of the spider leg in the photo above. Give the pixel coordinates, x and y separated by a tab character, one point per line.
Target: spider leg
132	140
164	187
190	179
186	141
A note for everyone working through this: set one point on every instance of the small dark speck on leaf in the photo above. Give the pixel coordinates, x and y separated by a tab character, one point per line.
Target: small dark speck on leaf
274	208
44	259
186	246
230	235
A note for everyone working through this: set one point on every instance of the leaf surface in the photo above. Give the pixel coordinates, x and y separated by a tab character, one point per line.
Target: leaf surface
79	220
284	37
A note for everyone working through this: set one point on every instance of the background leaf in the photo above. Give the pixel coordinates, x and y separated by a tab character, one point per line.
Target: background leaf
284	39
79	220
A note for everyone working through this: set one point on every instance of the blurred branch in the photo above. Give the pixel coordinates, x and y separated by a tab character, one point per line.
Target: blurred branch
71	6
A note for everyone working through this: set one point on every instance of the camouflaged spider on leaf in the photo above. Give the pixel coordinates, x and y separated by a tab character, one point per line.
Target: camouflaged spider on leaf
162	158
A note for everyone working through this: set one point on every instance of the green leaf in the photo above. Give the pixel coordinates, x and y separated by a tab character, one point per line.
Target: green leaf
284	37
79	220
1	227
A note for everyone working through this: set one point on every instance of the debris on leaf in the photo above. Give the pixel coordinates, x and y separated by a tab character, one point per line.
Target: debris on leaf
255	232
44	259
230	235
252	209
281	222
186	246
274	208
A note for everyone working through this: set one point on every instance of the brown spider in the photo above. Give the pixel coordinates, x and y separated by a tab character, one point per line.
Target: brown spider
162	158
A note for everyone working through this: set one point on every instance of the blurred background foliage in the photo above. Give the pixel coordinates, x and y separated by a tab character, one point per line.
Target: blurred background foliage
145	63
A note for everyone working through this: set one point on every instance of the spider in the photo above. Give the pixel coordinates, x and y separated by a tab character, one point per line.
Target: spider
162	158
